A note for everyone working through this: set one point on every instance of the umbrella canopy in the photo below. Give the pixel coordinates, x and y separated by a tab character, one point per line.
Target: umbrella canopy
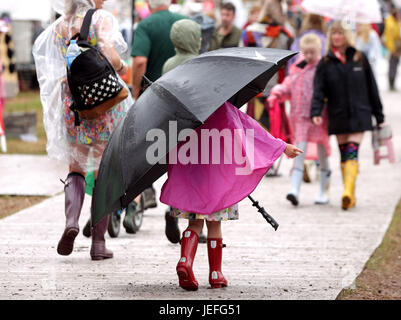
360	11
187	95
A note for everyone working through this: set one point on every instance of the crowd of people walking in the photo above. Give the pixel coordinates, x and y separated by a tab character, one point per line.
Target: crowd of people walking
330	86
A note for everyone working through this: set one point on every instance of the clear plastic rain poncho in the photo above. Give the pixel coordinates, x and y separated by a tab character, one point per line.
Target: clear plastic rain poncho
81	146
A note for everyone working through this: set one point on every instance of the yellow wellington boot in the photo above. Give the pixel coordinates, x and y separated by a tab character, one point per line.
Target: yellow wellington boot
342	164
350	174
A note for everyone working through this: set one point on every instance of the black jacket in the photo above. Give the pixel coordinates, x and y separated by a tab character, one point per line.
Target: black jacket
351	93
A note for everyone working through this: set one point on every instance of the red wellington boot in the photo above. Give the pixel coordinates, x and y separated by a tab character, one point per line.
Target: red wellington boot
189	244
215	253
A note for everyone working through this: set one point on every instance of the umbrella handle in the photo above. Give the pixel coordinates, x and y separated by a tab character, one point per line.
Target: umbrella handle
146	82
265	215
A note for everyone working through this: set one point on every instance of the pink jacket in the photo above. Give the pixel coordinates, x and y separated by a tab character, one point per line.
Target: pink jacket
298	88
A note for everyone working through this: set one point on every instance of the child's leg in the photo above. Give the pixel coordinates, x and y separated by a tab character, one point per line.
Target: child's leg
215	254
297	174
196	225
324	175
213	229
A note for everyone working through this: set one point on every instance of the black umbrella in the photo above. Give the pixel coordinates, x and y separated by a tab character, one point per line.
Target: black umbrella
188	94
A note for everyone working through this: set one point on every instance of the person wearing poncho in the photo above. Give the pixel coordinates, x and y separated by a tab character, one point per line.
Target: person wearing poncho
71	144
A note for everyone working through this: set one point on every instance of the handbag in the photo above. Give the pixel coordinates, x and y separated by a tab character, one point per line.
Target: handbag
380	135
93	82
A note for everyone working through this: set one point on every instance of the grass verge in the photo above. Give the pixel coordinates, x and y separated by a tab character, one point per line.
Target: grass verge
380	279
27	101
12	204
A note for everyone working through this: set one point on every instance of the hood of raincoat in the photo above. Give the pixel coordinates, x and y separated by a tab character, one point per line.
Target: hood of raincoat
71	6
186	36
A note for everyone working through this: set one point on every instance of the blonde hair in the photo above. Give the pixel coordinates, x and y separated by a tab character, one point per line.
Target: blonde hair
339	26
255	9
310	40
364	32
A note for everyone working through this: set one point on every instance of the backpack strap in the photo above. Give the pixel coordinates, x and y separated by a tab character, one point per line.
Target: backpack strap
83	34
77	120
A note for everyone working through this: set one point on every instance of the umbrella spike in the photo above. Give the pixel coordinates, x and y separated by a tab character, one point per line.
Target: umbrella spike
265	215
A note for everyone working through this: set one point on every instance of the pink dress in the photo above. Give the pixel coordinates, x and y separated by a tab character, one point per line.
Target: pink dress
298	88
211	187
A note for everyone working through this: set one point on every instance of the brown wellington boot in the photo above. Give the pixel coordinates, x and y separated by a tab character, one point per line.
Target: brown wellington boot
74	189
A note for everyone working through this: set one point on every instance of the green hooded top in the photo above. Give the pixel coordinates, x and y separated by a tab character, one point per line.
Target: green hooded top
186	37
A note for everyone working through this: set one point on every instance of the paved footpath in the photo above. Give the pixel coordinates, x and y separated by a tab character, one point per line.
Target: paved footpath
30	175
317	250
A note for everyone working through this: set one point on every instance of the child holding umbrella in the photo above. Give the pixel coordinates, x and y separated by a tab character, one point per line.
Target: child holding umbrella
194	191
209	192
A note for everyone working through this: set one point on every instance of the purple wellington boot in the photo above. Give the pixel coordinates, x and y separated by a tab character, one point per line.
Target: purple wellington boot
98	248
74	197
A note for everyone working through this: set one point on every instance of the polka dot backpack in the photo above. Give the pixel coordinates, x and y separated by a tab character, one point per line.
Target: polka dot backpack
93	82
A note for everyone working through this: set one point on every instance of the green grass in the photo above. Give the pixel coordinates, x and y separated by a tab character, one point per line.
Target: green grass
380	278
389	247
27	101
24	101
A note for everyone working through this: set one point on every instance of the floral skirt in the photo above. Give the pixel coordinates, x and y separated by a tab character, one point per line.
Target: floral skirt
99	129
230	213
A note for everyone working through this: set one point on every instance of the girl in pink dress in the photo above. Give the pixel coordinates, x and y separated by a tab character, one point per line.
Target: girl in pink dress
208	188
298	88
